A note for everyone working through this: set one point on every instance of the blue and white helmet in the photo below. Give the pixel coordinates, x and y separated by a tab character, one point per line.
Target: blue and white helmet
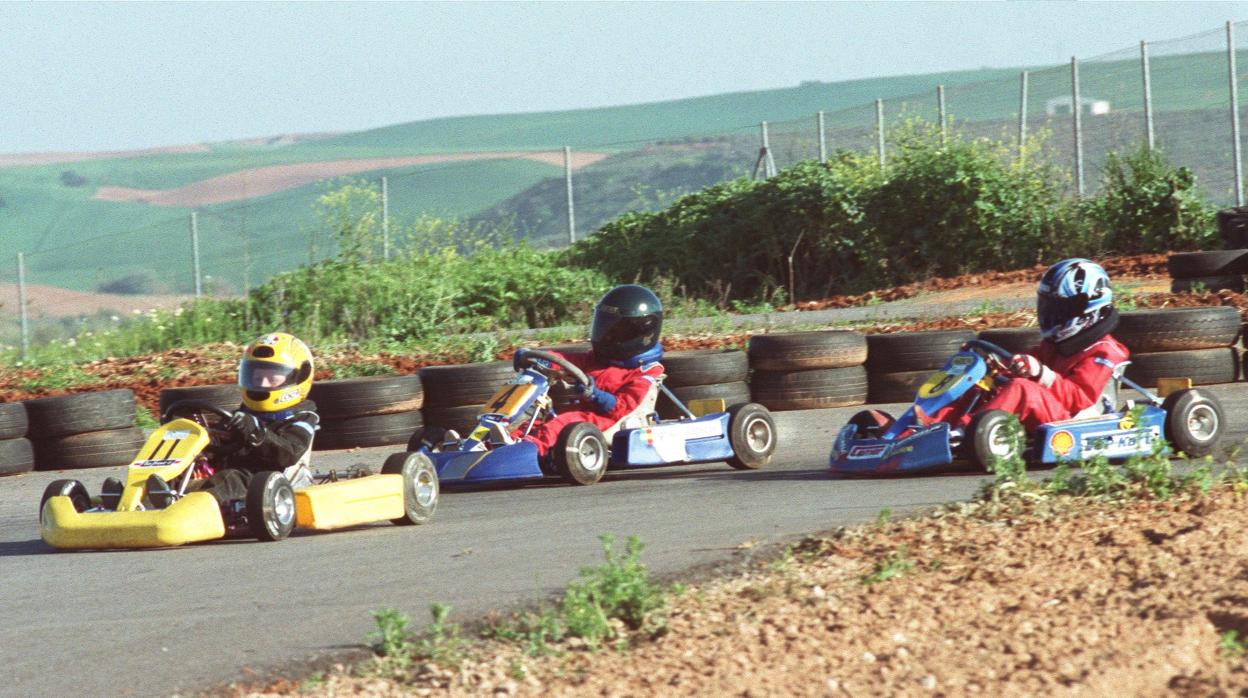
1073	295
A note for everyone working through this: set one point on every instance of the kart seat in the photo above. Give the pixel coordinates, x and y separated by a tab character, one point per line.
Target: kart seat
640	416
1109	395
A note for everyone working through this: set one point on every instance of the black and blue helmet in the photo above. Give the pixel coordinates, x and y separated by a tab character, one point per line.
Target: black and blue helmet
1073	295
627	324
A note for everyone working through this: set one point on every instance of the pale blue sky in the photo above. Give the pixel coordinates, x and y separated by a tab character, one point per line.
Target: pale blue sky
122	75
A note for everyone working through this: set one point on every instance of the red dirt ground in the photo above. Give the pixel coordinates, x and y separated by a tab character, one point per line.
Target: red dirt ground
47	158
54	302
260	181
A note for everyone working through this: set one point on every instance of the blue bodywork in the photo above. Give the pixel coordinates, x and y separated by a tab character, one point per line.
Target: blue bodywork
910	445
702	440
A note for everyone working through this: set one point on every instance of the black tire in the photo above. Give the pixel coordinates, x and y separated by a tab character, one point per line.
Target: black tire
465	384
1187	265
809	390
226	396
462	418
1194	422
420	486
913	351
373	430
270	506
1233	227
799	351
63	415
570	348
1197	284
1016	340
901	386
94	449
369	395
580	454
17	456
705	367
74	489
987	438
1178	329
730	393
871	424
13	422
434	435
752	432
1203	366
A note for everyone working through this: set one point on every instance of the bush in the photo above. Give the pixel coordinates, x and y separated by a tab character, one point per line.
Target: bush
72	179
132	284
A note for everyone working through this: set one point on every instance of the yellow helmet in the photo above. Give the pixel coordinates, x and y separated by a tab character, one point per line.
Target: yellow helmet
275	373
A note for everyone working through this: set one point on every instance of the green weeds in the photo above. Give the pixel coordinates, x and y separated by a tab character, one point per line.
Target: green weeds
895	565
440	644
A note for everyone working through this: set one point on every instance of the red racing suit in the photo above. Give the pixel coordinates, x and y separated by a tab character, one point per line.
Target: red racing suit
628	385
1075	384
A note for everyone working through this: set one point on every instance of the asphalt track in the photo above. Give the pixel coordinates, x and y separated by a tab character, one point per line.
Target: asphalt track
166	621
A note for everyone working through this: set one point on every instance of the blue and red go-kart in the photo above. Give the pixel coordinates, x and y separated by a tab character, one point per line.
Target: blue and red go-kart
875	443
743	435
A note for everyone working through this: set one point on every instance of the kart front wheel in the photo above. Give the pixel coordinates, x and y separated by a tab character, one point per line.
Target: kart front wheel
752	433
74	489
270	506
1193	422
420	486
992	439
581	454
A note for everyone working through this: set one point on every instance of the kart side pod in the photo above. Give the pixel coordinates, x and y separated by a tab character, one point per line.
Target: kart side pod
349	502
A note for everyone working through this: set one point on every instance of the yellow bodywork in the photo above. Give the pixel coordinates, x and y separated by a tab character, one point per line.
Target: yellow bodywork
705	406
168	452
349	502
195	517
509	399
1165	386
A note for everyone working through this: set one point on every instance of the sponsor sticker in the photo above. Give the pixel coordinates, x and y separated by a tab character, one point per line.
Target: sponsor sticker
873	451
1062	442
174	435
155	463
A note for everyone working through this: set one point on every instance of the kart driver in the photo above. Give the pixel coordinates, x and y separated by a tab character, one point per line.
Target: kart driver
1065	375
622	366
274	377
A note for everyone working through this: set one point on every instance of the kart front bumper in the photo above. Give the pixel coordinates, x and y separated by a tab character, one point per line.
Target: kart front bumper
923	451
517	461
195	517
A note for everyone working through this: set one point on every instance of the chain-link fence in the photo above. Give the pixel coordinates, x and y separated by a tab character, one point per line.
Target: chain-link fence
1174	95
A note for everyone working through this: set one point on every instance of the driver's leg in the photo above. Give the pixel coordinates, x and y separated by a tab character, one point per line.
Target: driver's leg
1032	403
226	486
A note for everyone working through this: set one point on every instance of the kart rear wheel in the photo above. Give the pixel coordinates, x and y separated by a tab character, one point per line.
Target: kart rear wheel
74	489
752	432
270	506
990	439
1194	422
581	454
420	486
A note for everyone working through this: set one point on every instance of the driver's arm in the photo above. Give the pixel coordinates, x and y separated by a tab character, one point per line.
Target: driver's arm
630	395
283	446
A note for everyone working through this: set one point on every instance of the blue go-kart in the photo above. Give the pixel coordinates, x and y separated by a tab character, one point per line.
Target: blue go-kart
743	435
873	443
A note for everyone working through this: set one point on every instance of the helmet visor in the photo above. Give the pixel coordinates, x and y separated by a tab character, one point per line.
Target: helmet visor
619	337
261	376
1053	311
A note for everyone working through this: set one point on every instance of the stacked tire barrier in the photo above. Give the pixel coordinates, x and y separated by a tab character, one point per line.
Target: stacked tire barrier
85	430
368	411
454	394
899	362
705	374
1211	270
1194	343
808	370
16	453
225	396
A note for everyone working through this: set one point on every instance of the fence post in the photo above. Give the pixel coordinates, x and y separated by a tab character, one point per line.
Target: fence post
199	285
823	138
765	162
944	120
21	305
1022	117
1230	64
385	218
1148	96
567	181
1075	110
879	130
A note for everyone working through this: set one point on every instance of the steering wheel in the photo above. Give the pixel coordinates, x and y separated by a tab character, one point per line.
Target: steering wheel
194	408
572	370
996	357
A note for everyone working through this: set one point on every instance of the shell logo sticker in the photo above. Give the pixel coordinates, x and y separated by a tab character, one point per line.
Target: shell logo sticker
1128	421
1062	442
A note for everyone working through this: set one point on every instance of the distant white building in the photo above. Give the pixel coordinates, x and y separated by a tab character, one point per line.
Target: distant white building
1060	106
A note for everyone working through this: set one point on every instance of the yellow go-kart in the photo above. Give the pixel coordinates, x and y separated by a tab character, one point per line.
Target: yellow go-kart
129	514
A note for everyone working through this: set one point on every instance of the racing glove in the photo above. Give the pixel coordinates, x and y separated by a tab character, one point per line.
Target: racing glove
248	428
1028	366
602	401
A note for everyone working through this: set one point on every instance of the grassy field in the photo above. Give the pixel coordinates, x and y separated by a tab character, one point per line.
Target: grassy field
660	152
